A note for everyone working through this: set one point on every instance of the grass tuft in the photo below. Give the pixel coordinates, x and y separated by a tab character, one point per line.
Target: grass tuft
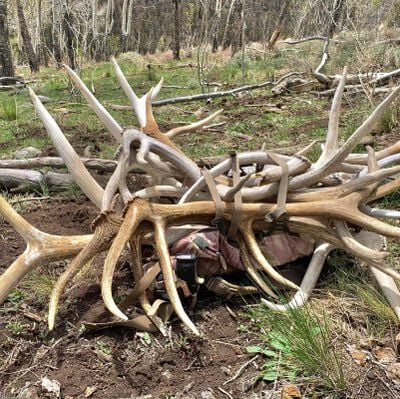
298	343
8	110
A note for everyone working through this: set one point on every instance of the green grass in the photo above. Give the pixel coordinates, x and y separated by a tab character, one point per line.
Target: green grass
298	344
357	285
8	109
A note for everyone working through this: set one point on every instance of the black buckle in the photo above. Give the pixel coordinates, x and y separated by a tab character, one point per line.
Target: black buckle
219	224
278	223
186	270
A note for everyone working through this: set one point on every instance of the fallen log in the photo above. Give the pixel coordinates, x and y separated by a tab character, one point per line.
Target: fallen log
198	97
100	165
20	180
309	39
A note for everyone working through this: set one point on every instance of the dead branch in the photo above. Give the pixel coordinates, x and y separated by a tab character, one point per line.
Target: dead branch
309	39
198	97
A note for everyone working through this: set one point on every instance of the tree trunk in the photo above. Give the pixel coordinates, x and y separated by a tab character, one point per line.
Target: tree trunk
177	30
69	34
56	31
336	14
6	63
227	23
26	40
279	26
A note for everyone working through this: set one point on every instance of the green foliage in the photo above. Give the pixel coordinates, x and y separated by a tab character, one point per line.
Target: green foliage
14	296
8	109
378	315
15	327
103	347
298	343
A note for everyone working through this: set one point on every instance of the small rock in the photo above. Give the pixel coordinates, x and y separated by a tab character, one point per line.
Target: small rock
44	99
51	386
290	392
207	395
90	391
27	152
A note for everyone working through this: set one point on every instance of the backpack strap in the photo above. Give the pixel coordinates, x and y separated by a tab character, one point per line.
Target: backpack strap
237	199
218	221
279	216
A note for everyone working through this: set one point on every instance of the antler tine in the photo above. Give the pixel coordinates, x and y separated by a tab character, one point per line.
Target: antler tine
255	251
309	282
313	176
138	104
380	213
166	268
252	271
157	88
331	143
109	122
350	242
362	158
105	231
389	289
193	126
73	162
41	247
132	219
391	159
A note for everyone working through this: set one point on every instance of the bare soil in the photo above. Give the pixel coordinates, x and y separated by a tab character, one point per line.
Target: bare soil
116	363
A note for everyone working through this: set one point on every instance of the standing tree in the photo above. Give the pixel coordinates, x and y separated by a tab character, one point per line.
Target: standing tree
67	24
177	30
56	31
26	39
6	64
279	26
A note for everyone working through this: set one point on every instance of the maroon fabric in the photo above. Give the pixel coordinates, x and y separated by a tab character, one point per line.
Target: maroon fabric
279	249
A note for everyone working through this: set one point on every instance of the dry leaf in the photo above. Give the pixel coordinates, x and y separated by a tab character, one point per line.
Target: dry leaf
290	392
358	356
394	370
385	355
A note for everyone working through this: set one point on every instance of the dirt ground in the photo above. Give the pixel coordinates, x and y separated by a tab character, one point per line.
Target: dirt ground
114	363
122	363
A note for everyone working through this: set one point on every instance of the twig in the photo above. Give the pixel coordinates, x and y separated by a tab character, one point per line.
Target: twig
26	199
225	392
240	371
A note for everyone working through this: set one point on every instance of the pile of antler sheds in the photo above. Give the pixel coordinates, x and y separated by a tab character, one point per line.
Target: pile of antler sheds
251	212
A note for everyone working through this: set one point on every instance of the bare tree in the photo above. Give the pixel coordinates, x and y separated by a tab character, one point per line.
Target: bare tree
279	26
6	63
177	30
67	24
56	30
26	39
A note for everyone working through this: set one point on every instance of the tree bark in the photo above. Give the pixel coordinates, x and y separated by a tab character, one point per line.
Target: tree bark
6	63
69	35
279	26
56	31
177	30
26	40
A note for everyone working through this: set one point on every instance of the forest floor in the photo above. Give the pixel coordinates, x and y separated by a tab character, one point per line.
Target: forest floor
361	359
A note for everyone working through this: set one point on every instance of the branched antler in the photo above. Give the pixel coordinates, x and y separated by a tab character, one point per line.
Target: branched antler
328	200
